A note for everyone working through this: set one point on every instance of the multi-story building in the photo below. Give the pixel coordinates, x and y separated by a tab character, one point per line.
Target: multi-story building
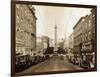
70	41
84	37
77	37
93	12
70	46
25	29
88	36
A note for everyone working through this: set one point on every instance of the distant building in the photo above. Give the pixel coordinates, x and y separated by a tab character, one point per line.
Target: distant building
45	41
70	46
70	41
66	43
25	29
60	43
39	45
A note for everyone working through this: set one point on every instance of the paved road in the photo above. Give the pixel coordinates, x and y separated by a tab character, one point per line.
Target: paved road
53	64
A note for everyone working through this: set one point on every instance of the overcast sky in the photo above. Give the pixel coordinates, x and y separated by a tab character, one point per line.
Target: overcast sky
64	17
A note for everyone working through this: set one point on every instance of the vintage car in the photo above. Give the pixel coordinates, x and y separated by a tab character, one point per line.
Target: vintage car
23	62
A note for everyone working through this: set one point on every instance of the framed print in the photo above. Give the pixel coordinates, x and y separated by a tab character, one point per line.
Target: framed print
49	38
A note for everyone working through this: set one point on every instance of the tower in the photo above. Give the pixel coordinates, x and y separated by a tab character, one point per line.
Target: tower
55	36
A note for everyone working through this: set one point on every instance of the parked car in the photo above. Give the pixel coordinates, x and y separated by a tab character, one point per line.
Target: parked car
85	64
87	61
72	59
23	62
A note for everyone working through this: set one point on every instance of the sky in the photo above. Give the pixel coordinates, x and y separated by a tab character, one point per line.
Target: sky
64	18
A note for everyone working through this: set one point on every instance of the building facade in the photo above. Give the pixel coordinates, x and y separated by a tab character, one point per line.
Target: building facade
84	36
70	47
89	37
25	29
77	37
70	41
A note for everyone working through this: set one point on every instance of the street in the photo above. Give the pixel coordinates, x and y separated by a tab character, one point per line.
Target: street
55	63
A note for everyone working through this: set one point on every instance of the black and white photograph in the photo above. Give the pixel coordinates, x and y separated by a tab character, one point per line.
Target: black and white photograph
53	38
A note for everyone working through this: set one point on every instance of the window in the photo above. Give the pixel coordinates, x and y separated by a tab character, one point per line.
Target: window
89	22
